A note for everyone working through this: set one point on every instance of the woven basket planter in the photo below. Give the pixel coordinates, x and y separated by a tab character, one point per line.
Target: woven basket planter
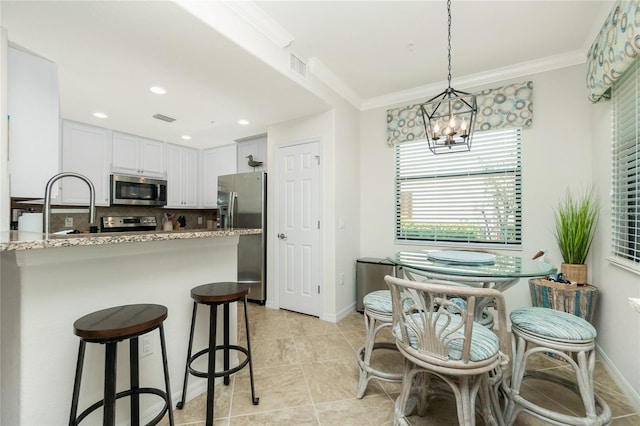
575	272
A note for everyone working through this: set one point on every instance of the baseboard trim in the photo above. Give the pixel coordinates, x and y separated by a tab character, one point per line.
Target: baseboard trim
619	378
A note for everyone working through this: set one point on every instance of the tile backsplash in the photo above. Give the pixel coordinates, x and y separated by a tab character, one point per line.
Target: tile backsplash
81	220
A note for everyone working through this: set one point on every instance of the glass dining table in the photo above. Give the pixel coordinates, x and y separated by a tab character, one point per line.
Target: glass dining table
470	268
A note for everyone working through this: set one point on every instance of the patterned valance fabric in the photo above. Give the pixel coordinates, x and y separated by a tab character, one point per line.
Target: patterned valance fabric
615	48
499	108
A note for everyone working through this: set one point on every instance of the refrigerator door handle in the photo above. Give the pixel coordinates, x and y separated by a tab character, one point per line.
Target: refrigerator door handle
233	197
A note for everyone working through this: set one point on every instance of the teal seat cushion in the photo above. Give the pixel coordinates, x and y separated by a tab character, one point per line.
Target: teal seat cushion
553	324
484	343
379	301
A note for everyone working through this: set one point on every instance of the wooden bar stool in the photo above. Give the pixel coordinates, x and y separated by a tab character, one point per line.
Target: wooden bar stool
215	294
108	327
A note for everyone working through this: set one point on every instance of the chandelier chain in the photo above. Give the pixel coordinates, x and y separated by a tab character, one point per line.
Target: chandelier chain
449	40
449	117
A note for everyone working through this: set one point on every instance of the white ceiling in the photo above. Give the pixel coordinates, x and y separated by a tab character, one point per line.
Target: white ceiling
376	52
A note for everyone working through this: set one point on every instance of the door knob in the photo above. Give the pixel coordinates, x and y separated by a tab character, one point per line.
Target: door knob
282	236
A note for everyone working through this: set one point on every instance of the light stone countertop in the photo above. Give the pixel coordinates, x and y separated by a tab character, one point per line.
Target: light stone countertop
18	240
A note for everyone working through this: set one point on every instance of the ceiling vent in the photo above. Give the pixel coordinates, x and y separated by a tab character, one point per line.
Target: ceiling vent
297	65
164	118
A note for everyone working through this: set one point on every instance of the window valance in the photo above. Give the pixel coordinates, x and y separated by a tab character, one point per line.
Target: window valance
615	48
499	108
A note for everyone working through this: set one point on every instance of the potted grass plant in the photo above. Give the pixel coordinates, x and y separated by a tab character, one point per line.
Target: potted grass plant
576	218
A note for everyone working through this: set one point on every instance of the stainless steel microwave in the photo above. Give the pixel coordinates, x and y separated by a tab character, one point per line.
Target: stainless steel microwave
138	191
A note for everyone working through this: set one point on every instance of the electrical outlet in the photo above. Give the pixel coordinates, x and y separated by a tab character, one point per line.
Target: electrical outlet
147	346
68	222
199	220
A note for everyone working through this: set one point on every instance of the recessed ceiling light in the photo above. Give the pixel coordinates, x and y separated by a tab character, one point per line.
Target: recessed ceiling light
186	137
158	90
100	115
243	122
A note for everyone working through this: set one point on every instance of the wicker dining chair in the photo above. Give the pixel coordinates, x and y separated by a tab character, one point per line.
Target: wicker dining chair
447	352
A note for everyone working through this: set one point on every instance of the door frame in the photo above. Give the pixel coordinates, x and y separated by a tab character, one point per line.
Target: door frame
274	242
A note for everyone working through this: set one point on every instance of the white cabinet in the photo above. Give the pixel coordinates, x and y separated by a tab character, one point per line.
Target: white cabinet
257	149
86	150
182	173
134	155
216	162
33	107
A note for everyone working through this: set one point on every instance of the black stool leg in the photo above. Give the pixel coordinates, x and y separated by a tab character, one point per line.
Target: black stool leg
226	342
211	375
166	374
76	384
134	381
111	352
255	400
180	404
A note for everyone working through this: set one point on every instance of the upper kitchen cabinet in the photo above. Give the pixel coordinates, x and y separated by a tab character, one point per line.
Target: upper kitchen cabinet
34	130
134	155
216	162
86	150
182	173
253	149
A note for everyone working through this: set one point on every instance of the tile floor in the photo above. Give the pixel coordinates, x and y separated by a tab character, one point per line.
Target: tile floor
305	374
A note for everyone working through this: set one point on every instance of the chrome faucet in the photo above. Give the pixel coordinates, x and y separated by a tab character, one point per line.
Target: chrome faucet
47	198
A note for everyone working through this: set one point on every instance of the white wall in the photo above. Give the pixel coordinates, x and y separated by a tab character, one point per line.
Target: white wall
4	172
321	128
338	132
555	152
347	163
568	146
4	132
618	325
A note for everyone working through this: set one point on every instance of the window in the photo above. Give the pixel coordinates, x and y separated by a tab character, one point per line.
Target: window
465	197
625	209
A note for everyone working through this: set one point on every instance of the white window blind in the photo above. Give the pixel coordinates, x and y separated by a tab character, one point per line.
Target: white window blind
625	218
464	197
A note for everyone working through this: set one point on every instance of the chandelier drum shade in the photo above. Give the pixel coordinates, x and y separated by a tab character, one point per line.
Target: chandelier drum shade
449	117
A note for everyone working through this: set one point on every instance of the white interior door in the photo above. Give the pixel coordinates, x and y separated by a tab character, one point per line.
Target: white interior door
298	228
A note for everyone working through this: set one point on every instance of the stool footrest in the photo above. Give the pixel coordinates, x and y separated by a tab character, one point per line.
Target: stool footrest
221	373
378	374
126	393
532	408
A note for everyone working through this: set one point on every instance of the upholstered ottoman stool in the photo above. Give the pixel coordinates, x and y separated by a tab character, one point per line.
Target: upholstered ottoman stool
378	314
569	337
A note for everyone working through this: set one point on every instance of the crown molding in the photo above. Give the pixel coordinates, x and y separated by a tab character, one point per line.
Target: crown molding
329	78
261	21
493	76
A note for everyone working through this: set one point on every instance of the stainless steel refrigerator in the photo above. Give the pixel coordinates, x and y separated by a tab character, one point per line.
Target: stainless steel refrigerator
242	204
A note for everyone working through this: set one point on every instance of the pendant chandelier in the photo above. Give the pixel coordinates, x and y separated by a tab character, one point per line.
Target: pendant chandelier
449	116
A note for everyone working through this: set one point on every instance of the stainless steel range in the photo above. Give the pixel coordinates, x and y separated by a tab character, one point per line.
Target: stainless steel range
128	223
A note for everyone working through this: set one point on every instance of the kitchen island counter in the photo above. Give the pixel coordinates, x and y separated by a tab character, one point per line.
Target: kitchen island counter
46	284
18	240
